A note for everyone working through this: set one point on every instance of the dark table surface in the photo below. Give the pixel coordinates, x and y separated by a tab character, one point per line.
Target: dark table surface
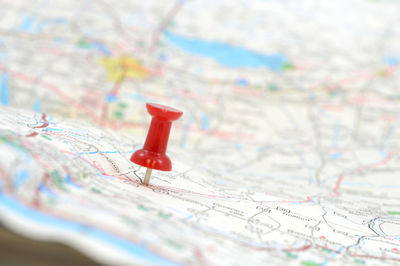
16	250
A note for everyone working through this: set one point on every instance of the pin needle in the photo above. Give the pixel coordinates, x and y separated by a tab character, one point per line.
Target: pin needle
147	176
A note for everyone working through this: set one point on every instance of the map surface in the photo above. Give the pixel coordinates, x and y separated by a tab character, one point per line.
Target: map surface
288	151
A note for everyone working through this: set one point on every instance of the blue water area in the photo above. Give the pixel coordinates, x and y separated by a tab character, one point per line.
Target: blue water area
205	122
136	250
139	97
163	58
4	98
226	54
45	190
102	48
52	129
391	61
26	24
37	107
332	256
337	155
111	98
70	182
242	82
20	177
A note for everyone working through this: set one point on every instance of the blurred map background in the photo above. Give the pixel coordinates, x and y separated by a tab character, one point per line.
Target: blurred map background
288	150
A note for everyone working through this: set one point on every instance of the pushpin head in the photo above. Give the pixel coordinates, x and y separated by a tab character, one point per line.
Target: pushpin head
163	112
152	155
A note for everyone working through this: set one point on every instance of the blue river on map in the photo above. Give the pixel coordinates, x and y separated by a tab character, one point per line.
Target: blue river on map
226	54
4	89
93	233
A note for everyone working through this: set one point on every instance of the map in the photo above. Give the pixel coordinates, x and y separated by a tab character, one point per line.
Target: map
288	151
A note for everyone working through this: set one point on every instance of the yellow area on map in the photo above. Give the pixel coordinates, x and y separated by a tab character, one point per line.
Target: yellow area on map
119	68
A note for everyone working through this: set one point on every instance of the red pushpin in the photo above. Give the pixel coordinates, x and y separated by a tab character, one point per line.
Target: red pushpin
152	155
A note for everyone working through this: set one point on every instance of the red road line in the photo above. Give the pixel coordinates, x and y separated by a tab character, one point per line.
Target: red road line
376	164
63	96
337	186
169	17
95	166
384	258
362	168
298	249
7	184
45	124
33	134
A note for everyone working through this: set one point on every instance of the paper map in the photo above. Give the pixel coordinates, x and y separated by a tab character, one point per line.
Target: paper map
288	152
